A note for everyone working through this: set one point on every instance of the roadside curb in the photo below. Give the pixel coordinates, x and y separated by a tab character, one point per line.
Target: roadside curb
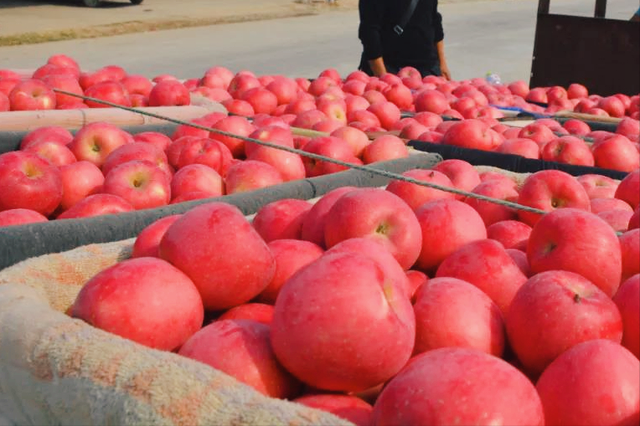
131	27
140	26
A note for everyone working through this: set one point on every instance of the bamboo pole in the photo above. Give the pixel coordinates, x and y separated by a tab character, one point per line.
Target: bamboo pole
74	119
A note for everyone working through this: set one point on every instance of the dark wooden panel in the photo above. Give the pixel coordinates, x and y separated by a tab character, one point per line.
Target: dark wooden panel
601	9
602	54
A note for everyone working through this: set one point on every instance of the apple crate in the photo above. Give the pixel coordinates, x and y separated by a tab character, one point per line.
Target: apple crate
17	242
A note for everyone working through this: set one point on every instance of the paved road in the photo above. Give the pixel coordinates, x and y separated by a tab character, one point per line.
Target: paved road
481	36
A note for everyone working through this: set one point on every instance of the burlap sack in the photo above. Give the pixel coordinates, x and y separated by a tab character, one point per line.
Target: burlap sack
57	370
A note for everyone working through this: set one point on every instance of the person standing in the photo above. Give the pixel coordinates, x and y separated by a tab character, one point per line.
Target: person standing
400	33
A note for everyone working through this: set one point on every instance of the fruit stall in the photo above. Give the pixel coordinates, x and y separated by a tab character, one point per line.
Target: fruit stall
348	250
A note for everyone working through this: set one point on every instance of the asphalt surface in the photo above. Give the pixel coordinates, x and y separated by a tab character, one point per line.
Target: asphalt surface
480	37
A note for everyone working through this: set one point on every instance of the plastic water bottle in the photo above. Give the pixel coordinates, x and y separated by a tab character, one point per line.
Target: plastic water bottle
493	78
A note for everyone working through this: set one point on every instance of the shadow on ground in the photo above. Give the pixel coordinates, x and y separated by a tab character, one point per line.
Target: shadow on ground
8	4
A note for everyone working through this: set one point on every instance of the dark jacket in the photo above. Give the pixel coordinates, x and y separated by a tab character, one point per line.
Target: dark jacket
416	46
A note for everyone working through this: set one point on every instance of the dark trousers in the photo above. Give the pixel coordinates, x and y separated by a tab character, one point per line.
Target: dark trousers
393	68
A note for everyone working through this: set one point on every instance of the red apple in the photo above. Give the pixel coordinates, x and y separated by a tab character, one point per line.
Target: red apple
554	311
549	190
169	93
56	154
627	299
28	181
97	205
599	205
136	151
497	189
314	221
617	219
117	300
250	175
598	186
284	89
242	262
430	136
148	240
377	214
197	178
141	183
629	189
446	307
311	347
385	148
415	195
630	250
347	407
356	103
577	127
5	105
66	83
238	107
429	119
19	216
577	91
537	95
634	222
387	112
374	94
520	146
539	133
159	140
400	95
137	85
258	312
233	125
471	134
592	383
628	127
242	349
289	165
261	99
431	101
281	219
467	386
365	117
485	264
331	147
617	153
558	242
354	137
290	256
381	255
109	91
512	234
462	174
32	95
7	85
95	141
568	150
213	154
612	105
519	87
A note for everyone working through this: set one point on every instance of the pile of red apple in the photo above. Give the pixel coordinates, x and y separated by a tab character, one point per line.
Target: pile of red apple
370	104
105	170
247	94
403	305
